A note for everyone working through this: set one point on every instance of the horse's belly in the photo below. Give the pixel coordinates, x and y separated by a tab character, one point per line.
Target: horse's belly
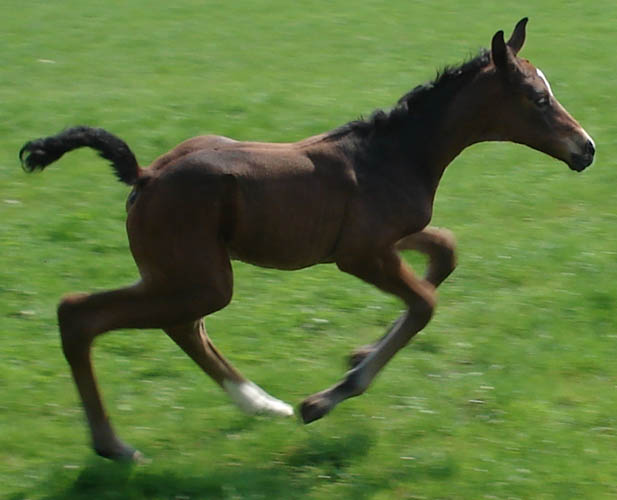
290	248
283	262
289	235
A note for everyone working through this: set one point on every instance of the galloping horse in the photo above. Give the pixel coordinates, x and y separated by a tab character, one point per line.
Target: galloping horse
354	196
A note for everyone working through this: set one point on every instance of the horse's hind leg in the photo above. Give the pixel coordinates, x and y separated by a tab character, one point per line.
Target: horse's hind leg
82	317
439	245
194	340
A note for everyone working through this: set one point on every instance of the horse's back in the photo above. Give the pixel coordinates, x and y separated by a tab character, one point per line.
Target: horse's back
282	205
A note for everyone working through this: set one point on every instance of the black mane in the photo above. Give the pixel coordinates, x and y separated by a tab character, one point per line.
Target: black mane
447	82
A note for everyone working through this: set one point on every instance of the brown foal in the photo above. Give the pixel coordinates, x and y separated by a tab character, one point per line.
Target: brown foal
354	196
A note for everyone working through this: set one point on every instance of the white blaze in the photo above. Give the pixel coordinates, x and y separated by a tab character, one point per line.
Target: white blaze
545	80
550	91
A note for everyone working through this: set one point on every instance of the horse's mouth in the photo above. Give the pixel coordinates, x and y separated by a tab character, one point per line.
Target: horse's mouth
578	163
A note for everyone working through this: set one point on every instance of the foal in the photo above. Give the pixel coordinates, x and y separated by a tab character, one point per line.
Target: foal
354	196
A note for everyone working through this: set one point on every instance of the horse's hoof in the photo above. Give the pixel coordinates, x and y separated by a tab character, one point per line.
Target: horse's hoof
313	408
121	452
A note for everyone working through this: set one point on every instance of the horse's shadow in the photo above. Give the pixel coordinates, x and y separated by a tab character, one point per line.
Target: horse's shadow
291	476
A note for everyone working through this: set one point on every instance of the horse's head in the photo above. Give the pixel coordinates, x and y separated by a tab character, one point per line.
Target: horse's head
528	112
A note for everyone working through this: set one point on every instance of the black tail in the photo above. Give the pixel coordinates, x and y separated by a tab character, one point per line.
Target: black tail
37	154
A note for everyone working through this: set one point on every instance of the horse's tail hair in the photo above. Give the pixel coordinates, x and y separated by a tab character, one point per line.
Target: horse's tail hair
37	154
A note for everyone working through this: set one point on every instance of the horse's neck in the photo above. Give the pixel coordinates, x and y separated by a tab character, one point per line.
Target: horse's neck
420	148
467	120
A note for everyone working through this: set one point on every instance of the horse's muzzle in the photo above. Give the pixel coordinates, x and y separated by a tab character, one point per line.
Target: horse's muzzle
580	162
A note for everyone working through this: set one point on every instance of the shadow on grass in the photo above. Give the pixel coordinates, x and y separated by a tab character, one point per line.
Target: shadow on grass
292	475
109	481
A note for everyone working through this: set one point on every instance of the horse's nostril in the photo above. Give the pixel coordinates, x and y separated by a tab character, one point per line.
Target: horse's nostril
590	148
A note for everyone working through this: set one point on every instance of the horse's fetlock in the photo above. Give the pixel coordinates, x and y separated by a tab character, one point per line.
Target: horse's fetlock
355	383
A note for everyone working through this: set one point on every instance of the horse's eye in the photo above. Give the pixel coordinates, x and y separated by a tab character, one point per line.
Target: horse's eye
542	102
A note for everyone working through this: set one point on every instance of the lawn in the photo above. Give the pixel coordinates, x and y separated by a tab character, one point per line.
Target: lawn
509	393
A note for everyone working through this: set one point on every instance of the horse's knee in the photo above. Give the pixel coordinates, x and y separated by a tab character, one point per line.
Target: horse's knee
447	248
442	255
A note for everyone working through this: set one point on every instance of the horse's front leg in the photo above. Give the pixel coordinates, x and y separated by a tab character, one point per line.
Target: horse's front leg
439	245
389	273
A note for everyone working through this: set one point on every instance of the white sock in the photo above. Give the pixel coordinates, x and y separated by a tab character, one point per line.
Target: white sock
252	399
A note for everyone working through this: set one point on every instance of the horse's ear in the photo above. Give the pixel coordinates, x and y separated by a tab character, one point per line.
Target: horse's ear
518	36
499	51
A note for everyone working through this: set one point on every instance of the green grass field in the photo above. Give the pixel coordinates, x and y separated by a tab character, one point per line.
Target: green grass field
509	393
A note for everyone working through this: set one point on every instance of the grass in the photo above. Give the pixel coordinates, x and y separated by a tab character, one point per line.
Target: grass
508	393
